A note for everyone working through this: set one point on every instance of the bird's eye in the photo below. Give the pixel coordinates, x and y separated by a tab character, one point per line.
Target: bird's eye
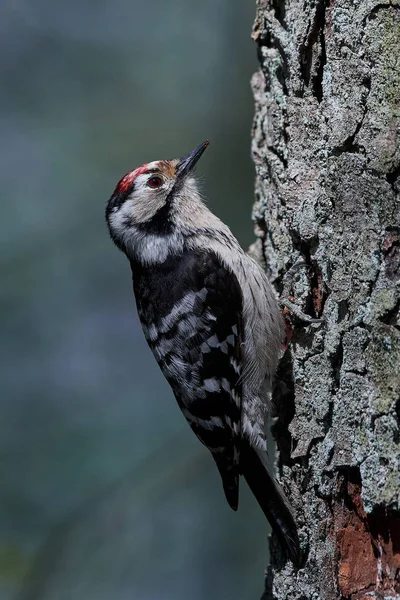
155	182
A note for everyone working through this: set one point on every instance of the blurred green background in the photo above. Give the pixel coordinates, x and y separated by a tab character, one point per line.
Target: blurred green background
105	492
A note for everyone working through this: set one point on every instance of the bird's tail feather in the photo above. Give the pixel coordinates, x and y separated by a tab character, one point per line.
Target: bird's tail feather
270	497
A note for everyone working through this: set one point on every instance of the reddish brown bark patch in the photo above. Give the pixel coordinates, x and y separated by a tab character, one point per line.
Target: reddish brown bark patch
357	566
385	530
318	292
391	249
367	546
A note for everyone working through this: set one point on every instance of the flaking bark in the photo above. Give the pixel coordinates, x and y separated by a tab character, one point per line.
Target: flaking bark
326	150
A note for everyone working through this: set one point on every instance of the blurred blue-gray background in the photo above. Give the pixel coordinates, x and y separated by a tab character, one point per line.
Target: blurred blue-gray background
104	491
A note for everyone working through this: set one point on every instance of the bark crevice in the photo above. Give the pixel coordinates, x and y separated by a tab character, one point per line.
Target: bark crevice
326	149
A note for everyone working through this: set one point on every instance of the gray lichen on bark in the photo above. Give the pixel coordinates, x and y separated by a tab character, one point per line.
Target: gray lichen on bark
327	156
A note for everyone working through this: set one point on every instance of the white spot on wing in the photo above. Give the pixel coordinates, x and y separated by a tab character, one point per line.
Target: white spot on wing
150	332
213	341
225	384
224	347
231	339
212	385
188	324
185	305
205	348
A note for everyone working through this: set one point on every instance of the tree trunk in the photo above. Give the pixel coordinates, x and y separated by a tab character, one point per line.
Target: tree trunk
325	145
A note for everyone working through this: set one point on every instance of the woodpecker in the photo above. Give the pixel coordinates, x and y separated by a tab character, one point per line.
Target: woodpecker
211	319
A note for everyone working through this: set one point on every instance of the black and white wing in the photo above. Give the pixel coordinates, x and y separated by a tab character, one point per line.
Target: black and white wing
191	311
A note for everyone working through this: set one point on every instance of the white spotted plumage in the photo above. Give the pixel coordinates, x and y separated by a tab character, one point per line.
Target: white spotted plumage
211	318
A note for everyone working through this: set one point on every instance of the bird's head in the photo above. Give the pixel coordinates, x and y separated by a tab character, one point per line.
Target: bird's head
146	195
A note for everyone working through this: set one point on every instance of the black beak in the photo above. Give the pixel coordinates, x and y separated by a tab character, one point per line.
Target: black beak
188	162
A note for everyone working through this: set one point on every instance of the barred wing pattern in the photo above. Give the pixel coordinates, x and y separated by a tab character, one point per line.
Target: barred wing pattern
190	307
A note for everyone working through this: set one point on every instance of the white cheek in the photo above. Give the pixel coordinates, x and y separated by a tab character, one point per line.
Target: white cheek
116	223
126	223
119	219
148	249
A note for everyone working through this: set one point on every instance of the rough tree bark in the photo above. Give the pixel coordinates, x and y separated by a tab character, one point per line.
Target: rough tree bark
325	145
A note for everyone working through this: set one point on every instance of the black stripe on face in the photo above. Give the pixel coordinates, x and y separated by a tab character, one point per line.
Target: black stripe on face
160	224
